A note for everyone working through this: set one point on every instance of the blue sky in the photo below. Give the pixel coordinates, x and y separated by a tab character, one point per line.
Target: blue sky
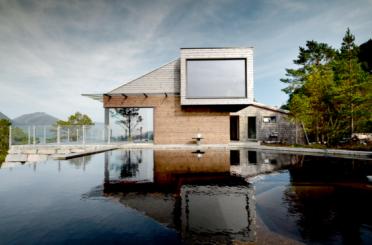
53	51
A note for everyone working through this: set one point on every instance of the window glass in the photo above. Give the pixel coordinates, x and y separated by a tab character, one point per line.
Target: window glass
131	124
216	78
271	119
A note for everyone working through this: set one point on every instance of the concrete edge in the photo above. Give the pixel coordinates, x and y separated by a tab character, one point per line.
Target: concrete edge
329	152
80	154
305	151
310	151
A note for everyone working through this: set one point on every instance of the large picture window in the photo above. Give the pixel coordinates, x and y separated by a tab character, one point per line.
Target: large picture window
131	124
216	78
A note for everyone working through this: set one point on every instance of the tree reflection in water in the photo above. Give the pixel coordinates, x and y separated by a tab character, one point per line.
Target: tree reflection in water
308	199
329	200
80	162
131	160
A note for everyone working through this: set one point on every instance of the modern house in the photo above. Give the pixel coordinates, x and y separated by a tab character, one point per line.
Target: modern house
206	93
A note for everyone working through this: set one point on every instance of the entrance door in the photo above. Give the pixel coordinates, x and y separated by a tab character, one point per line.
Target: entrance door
234	127
251	127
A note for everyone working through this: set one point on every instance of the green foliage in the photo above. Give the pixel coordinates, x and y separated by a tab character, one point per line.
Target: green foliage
330	93
4	133
76	119
19	136
71	127
4	138
314	54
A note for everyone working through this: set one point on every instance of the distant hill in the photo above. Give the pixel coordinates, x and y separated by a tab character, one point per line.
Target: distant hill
2	116
36	118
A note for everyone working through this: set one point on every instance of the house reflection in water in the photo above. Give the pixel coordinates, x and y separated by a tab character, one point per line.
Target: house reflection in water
316	200
192	192
249	163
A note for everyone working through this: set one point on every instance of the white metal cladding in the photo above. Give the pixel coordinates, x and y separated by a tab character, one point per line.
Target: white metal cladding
165	79
217	53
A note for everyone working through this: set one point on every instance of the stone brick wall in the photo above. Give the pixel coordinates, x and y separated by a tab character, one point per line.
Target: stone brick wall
286	129
169	163
176	125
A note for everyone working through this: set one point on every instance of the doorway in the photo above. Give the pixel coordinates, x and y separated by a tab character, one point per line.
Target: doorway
251	127
234	127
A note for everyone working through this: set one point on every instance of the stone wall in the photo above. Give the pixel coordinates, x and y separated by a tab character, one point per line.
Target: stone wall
286	129
176	125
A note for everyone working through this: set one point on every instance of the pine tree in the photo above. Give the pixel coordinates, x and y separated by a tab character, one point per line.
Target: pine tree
352	82
330	93
314	54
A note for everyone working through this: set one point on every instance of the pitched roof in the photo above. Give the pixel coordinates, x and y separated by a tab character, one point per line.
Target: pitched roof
271	108
165	79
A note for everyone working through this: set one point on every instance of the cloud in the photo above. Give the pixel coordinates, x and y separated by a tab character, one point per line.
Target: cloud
52	51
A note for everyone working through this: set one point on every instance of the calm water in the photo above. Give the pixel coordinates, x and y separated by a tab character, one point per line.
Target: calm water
175	197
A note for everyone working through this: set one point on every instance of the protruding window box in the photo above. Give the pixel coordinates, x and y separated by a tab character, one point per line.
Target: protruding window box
216	76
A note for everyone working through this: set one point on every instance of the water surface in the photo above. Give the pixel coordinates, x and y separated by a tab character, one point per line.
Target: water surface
175	197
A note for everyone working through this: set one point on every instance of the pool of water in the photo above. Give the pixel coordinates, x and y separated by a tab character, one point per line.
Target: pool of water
185	197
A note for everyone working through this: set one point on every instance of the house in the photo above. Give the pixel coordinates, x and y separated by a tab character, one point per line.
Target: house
206	94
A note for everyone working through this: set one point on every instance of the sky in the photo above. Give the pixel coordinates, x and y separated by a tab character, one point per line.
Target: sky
51	52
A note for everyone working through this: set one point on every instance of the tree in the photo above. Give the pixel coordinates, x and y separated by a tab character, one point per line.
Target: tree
127	118
306	83
19	136
314	54
130	166
76	119
352	82
314	106
71	128
330	93
4	138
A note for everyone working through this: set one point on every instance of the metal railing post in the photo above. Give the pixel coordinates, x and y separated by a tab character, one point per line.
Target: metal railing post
83	134
77	134
44	135
10	136
34	135
58	135
108	134
29	135
103	134
68	134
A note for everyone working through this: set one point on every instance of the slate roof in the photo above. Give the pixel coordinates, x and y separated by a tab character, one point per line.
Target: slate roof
165	79
271	108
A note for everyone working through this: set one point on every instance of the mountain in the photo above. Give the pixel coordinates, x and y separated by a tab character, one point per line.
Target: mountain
2	116
36	118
